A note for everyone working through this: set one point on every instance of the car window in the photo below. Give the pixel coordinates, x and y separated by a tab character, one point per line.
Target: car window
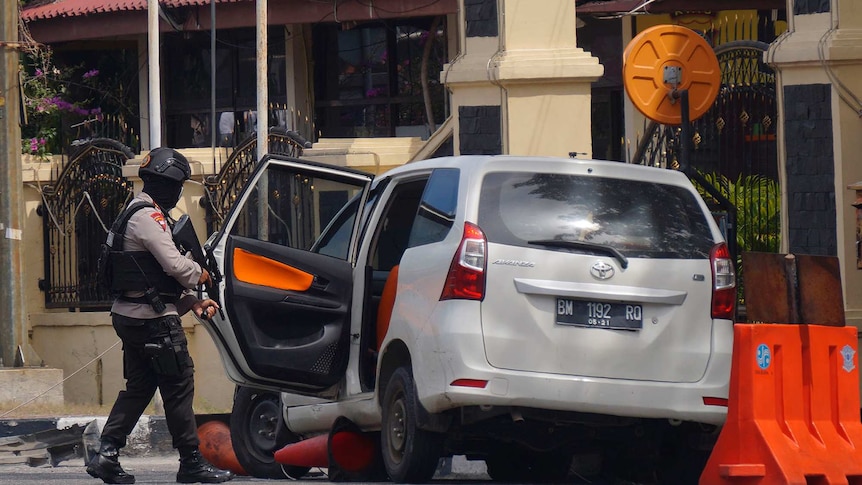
640	219
396	224
437	209
335	239
289	207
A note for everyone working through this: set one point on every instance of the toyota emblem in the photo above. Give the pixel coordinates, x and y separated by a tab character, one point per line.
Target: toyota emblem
601	270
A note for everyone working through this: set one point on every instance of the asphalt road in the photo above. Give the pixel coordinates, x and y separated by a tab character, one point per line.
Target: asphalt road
162	469
155	470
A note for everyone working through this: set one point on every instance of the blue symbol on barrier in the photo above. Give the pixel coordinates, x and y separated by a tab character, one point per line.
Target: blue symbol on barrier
764	356
847	353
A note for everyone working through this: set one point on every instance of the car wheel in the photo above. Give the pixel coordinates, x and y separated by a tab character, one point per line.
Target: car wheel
409	453
254	430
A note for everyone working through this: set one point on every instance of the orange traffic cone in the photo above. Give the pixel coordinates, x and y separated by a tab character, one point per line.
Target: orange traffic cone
345	447
311	452
352	451
217	448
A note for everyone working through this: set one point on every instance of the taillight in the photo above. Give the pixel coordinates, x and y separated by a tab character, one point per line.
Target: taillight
723	282
466	278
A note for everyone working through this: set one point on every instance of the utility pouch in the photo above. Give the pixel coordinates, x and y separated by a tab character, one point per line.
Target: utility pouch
155	301
163	358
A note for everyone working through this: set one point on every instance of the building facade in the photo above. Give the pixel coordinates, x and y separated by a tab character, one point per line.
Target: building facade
493	76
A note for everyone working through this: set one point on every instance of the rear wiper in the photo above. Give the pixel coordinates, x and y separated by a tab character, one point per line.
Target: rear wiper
559	243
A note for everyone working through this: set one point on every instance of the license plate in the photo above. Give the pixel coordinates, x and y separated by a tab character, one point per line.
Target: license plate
599	314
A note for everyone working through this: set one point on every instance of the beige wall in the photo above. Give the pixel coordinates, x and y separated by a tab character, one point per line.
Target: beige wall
75	341
534	71
826	48
84	344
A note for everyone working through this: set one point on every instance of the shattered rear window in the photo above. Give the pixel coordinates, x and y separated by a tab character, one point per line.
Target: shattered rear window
640	219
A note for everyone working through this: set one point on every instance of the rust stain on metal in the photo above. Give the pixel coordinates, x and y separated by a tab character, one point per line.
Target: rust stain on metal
766	290
820	296
788	288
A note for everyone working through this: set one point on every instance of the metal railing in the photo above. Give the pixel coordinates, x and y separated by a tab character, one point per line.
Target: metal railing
76	214
221	190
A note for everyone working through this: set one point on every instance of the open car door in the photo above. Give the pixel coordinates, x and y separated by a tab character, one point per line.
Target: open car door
287	252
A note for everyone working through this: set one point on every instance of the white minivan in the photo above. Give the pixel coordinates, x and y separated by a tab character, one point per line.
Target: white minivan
516	310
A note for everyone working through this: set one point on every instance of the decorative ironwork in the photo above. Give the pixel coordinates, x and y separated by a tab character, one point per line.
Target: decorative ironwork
223	189
76	215
737	151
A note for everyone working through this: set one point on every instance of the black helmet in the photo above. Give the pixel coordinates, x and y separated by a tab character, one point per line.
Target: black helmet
165	163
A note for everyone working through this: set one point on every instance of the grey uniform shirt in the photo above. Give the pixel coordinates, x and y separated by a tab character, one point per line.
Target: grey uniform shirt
148	230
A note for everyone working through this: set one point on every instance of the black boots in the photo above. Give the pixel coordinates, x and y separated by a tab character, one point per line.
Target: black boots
106	465
195	469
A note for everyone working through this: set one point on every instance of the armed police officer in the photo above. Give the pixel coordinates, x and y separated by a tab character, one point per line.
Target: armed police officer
152	279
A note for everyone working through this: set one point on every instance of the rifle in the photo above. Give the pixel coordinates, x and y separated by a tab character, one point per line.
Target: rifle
187	241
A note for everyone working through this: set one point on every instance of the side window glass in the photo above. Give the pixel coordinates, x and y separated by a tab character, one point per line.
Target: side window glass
292	208
395	225
335	239
437	209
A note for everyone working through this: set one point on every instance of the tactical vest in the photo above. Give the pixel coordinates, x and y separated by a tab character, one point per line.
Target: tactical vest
136	270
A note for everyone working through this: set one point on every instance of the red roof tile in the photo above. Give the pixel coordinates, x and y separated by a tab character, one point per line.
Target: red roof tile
75	8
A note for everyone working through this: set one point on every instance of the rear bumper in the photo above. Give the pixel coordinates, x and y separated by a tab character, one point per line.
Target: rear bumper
460	355
587	395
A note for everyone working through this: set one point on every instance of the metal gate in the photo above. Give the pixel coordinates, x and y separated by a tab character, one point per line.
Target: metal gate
734	150
223	189
76	215
734	145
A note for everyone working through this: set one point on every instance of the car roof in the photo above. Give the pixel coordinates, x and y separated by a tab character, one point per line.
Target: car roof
473	165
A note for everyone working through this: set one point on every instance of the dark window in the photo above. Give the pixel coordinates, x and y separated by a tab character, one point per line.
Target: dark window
296	209
640	219
437	209
394	227
368	82
187	85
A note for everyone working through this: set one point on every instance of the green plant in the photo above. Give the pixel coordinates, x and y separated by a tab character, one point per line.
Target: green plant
758	203
64	94
46	94
758	215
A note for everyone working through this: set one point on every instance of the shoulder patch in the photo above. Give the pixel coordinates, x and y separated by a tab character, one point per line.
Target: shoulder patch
160	219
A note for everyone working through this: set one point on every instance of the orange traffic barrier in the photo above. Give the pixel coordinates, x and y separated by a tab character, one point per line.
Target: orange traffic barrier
793	408
217	448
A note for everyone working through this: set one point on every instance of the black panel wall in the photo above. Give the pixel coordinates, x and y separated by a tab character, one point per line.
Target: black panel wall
810	169
480	131
803	7
481	16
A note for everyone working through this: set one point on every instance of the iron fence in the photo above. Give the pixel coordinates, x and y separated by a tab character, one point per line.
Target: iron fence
76	214
221	190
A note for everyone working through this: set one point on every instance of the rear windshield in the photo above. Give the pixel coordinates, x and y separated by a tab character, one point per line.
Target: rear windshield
640	219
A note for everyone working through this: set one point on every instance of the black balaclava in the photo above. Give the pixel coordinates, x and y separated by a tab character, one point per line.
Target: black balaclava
165	193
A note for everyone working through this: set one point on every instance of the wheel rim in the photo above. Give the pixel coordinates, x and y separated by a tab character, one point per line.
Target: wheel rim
397	429
262	427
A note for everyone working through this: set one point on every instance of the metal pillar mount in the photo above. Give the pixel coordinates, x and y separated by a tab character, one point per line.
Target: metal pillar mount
13	329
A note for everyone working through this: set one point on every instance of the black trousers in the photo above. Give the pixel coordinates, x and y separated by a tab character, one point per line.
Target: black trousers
143	375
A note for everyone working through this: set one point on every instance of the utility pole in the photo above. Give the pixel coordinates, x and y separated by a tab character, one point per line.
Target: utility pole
13	330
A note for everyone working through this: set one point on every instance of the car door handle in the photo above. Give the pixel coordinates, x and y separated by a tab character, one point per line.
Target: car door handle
310	301
319	283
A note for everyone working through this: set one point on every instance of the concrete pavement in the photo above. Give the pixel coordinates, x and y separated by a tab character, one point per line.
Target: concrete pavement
150	442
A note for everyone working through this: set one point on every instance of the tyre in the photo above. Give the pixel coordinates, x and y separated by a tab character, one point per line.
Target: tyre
410	454
254	430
